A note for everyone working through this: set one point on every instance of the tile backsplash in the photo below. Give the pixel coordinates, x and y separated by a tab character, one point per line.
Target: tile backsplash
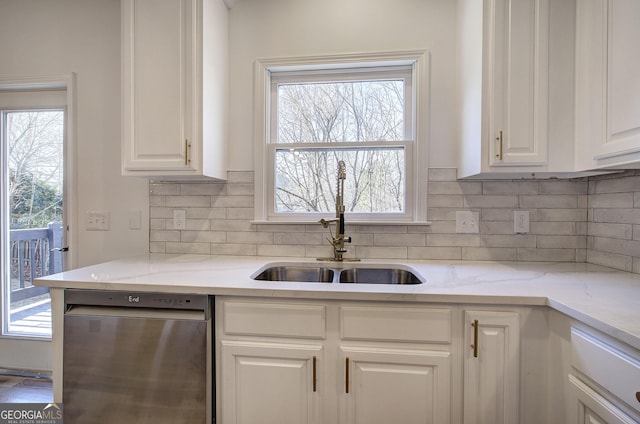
593	220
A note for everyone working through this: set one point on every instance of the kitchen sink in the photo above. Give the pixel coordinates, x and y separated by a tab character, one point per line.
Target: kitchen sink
316	274
378	276
326	274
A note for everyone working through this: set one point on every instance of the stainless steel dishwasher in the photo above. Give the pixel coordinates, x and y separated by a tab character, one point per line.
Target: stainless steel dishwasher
137	358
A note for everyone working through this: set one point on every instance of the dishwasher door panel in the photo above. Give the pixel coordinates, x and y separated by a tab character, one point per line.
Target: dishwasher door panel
135	370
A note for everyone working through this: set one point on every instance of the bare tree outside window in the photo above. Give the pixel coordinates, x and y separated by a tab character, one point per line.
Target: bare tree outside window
345	114
34	144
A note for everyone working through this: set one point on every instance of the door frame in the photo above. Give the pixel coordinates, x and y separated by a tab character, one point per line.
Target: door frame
27	359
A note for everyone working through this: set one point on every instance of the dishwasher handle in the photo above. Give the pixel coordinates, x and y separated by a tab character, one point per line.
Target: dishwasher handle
147	313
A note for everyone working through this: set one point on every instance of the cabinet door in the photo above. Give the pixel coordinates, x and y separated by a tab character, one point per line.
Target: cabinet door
394	386
607	82
518	82
592	408
491	367
158	42
270	383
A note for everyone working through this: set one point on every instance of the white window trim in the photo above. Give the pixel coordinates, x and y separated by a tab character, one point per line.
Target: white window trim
416	189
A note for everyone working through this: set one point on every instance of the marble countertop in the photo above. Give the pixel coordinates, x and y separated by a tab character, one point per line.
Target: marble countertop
601	297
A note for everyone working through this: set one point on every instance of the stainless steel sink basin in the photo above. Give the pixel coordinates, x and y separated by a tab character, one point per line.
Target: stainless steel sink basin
297	273
378	276
363	274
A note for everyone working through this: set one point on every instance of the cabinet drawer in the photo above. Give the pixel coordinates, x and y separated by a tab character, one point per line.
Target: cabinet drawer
274	319
401	324
616	371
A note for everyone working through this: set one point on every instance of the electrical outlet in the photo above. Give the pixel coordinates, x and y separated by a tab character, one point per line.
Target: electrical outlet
179	219
467	222
520	222
97	221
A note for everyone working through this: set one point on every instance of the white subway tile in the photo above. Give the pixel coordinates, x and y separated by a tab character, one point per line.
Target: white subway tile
188	248
612	260
488	254
611	200
164	189
202	189
234	249
189	201
203	237
453	240
399	240
563	187
567	242
622	231
238	189
509	187
232	201
279	250
512	241
455	187
231	225
495	201
365	252
297	238
560	201
157	235
620	216
252	237
546	255
435	253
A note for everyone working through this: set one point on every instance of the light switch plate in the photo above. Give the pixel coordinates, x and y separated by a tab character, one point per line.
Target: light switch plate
467	222
97	221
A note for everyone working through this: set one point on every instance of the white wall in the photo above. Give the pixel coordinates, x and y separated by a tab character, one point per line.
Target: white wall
282	28
83	36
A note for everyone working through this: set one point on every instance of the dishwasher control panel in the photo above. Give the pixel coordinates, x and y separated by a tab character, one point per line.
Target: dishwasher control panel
136	299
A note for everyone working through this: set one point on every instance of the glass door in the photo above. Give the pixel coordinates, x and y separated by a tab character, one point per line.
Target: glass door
35	140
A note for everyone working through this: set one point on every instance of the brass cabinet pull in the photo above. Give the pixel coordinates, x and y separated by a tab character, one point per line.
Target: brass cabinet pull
315	361
186	151
347	375
474	324
499	138
638	396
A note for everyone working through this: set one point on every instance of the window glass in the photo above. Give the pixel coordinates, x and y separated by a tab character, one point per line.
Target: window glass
341	111
306	179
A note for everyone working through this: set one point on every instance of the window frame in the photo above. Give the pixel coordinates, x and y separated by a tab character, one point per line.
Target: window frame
414	65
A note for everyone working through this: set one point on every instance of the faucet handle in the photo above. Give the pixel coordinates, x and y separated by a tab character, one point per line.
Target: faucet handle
347	239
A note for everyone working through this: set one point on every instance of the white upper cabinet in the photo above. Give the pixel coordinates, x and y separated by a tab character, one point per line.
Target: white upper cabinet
504	86
174	79
608	84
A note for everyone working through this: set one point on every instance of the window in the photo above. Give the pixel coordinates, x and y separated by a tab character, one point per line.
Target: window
313	113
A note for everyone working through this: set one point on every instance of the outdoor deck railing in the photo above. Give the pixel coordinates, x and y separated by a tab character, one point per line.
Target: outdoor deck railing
32	256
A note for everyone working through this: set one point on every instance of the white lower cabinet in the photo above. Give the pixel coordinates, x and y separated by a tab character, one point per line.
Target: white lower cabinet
592	408
604	381
395	386
270	383
491	367
305	361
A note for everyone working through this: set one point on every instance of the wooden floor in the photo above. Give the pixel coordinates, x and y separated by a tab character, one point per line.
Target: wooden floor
17	389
